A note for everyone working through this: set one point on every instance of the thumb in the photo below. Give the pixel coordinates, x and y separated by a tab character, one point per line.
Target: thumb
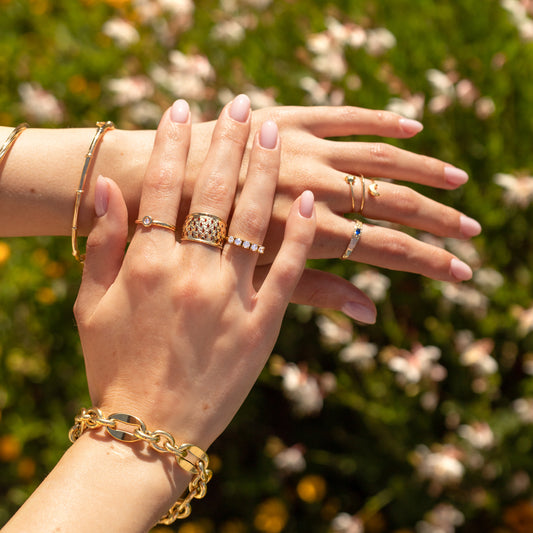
105	247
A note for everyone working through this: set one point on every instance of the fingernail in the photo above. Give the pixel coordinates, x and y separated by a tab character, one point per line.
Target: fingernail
411	126
268	137
179	112
240	108
459	270
101	196
307	202
455	176
359	312
469	226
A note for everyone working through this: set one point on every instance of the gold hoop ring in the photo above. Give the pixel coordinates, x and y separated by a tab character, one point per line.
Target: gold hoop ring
350	180
148	222
205	228
354	239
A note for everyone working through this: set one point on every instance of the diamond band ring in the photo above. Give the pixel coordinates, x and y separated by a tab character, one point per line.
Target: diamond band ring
147	222
247	245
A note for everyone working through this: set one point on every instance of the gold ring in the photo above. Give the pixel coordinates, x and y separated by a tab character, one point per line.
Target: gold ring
373	189
354	239
205	228
247	245
350	180
148	222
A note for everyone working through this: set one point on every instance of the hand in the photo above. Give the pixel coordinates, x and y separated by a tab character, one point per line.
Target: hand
309	161
174	332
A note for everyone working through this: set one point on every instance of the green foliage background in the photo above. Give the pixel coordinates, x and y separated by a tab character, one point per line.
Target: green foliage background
360	449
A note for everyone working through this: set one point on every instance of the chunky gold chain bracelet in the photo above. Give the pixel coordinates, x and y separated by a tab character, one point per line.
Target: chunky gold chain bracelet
189	457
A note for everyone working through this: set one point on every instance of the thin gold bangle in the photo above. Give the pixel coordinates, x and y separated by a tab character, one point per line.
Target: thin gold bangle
102	128
12	137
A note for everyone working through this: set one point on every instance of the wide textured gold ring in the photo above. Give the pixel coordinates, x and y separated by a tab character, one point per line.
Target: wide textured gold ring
354	239
205	228
148	222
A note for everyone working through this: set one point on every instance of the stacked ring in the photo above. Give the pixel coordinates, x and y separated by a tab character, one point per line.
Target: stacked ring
356	234
247	245
147	221
350	180
204	228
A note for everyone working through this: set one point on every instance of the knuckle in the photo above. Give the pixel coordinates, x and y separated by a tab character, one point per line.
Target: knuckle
251	220
406	201
381	152
217	188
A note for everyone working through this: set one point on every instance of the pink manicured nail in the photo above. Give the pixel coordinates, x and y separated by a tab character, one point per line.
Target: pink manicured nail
410	126
307	202
459	270
101	196
359	312
268	137
469	226
179	112
240	108
455	176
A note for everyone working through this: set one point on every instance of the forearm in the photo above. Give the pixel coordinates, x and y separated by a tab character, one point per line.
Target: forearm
103	485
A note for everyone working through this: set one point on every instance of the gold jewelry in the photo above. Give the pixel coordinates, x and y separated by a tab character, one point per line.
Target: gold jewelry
148	222
11	138
189	457
102	128
354	239
350	180
373	189
247	245
205	228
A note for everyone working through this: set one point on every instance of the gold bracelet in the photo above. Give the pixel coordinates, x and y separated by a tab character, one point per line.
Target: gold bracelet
102	128
189	457
12	137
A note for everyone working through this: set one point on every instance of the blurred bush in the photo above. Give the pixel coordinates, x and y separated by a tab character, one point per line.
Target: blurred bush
422	423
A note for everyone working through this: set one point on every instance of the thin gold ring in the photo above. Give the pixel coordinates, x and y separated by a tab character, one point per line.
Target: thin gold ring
361	207
12	137
147	221
247	245
354	239
205	228
350	180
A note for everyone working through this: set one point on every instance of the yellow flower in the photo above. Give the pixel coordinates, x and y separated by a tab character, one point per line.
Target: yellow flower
26	468
271	516
46	296
5	252
311	488
9	448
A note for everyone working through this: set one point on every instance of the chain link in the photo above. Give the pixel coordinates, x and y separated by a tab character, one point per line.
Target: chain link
188	456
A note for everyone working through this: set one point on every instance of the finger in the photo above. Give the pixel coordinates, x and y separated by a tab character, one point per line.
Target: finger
326	121
386	161
387	248
214	190
287	267
401	205
105	247
251	217
163	181
325	290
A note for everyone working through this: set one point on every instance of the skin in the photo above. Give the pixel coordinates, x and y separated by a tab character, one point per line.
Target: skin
37	193
179	351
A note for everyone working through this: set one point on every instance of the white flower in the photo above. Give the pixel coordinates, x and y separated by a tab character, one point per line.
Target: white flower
477	356
302	390
228	31
412	367
412	107
442	83
334	332
39	104
177	7
258	4
317	91
130	90
319	43
525	319
345	523
518	191
479	435
360	353
374	284
331	64
467	92
485	107
145	113
442	466
379	40
488	279
121	31
290	460
260	98
523	407
442	519
466	297
438	104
